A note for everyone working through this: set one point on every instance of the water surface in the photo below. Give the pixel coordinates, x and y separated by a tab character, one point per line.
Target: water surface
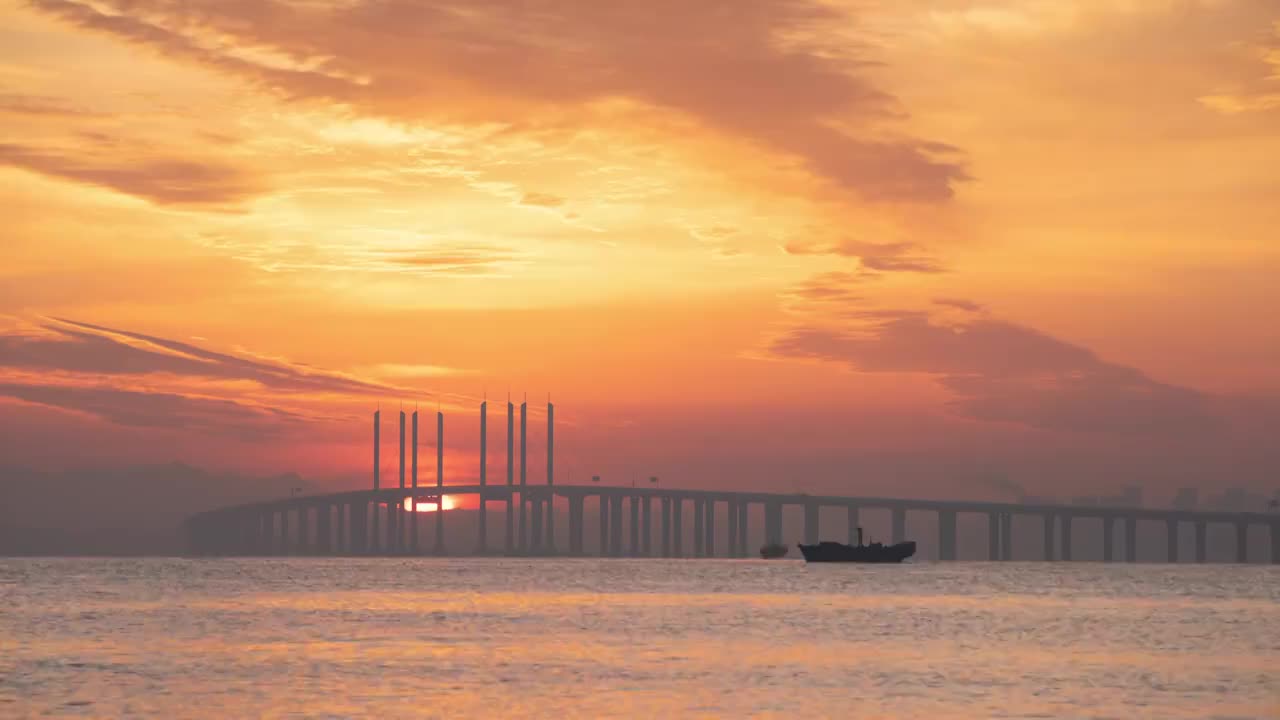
634	638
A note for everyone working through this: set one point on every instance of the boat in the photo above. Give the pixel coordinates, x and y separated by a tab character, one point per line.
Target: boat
828	551
774	550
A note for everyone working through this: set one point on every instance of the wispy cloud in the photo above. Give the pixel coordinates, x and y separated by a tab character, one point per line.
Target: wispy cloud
161	180
759	81
882	257
1002	372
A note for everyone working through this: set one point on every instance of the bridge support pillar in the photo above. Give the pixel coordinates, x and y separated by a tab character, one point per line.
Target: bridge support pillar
340	541
710	545
732	528
1108	539
324	529
1048	536
1064	551
1275	542
666	527
358	534
1131	539
603	521
549	545
852	530
1006	536
646	526
677	527
743	509
575	525
947	535
1202	541
1171	541
1242	542
615	526
994	523
305	546
899	524
812	534
439	548
635	526
535	524
262	539
773	522
699	518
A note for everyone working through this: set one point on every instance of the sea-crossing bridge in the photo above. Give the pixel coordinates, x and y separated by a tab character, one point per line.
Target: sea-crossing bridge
388	521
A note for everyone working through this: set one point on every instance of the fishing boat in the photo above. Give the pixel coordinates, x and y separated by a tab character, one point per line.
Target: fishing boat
774	550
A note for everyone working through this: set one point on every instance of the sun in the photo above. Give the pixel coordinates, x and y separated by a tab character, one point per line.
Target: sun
449	504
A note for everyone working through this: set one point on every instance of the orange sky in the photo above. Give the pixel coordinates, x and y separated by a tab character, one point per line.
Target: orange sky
931	247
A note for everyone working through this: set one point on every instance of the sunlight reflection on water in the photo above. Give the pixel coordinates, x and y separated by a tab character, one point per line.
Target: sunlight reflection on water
634	638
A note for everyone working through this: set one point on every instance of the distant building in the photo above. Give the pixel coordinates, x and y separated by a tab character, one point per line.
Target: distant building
1186	499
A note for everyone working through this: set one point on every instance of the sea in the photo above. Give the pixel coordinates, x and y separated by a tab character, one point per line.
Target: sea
632	638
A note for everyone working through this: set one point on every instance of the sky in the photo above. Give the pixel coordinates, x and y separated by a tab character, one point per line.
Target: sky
939	248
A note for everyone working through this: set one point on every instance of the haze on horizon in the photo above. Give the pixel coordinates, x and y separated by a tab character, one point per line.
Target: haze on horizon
936	248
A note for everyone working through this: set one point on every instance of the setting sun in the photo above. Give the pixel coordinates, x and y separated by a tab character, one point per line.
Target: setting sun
449	504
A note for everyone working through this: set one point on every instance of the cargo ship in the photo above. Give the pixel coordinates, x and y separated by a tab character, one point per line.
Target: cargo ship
828	551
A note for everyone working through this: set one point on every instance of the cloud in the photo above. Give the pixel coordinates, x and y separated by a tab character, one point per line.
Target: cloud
156	409
760	70
161	180
546	200
958	304
882	257
77	347
40	105
827	288
458	260
1003	372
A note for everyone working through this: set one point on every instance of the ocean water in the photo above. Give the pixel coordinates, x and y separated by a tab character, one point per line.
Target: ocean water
493	638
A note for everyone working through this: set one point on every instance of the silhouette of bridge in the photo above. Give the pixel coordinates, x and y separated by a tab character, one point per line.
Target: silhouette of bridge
377	522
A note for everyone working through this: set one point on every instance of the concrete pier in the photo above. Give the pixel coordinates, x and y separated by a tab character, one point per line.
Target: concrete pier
666	527
1066	522
898	519
646	527
710	524
947	535
743	511
1048	536
615	526
699	537
993	535
773	523
1006	536
1131	539
1171	545
603	521
1202	541
731	547
677	527
1108	539
1242	542
635	526
812	533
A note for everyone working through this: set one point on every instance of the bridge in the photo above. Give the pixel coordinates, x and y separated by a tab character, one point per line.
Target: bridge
388	521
